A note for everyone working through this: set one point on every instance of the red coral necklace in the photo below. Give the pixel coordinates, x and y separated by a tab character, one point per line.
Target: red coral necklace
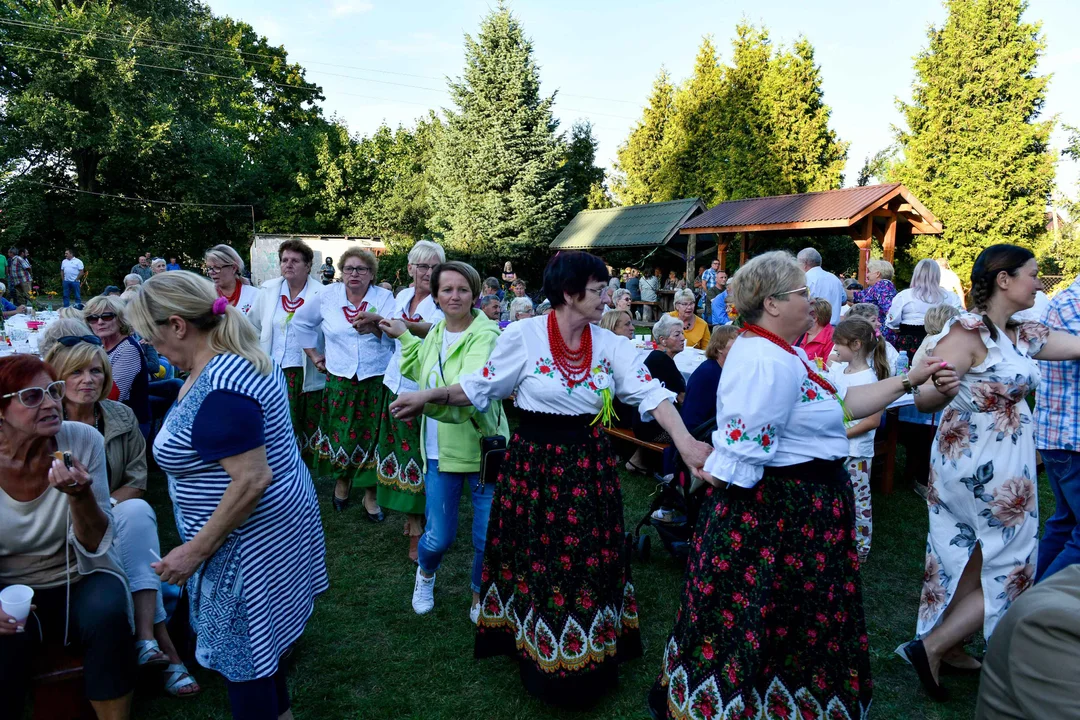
291	306
782	344
573	364
234	296
351	315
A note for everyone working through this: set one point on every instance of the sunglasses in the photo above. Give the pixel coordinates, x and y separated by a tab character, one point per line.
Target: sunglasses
34	396
106	316
73	340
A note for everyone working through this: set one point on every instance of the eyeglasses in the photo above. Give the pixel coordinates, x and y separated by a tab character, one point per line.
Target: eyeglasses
106	316
73	340
598	292
215	269
803	292
355	270
423	267
33	396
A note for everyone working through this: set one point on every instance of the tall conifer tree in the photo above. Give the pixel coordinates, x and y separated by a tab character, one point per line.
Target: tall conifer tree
974	152
637	166
496	189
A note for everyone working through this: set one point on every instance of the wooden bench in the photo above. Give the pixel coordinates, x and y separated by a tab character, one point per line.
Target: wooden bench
628	436
57	681
641	304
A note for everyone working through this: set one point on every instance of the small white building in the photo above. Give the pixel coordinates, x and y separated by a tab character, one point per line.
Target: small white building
264	252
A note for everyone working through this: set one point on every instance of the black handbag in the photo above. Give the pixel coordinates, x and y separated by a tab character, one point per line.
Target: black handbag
492	447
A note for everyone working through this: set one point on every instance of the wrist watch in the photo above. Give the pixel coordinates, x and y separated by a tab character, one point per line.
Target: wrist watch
908	387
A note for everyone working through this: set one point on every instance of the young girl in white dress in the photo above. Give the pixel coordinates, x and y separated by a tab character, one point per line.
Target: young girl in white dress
861	352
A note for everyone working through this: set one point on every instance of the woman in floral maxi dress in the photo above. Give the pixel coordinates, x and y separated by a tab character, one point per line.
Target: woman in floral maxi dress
556	592
982	495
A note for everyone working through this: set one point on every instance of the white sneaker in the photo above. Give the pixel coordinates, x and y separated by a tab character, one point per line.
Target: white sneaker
423	594
474	614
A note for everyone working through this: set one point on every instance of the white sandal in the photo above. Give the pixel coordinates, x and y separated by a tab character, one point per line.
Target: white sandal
150	654
177	678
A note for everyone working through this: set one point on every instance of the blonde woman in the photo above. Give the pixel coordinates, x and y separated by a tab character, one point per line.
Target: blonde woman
618	322
81	363
695	330
253	555
356	356
399	460
226	269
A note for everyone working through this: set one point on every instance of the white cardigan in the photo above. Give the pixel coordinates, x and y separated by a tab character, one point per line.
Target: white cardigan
262	317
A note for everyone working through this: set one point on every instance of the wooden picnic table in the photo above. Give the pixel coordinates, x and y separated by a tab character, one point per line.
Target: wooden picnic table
666	300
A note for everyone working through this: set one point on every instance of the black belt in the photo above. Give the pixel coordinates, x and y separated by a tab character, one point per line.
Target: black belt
554	428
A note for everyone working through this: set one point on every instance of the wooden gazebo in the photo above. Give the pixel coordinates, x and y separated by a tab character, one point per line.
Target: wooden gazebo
887	212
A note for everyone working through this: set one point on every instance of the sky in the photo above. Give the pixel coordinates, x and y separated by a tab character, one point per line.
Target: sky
600	57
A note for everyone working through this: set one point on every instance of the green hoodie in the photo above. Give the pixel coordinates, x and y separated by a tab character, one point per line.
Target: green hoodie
459	440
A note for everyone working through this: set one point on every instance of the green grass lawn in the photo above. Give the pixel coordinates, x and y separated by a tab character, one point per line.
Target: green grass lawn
365	654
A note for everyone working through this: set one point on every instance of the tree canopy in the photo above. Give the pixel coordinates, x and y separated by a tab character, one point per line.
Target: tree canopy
974	151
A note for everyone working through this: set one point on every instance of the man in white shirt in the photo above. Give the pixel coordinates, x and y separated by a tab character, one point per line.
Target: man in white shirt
951	281
648	285
822	284
71	273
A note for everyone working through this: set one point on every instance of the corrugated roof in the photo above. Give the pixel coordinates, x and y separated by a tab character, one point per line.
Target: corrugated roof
632	226
816	207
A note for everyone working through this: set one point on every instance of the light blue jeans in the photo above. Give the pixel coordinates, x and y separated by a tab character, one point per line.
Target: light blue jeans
137	536
443	493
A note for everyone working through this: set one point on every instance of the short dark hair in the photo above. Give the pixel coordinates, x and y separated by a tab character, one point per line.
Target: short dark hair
463	269
296	245
569	272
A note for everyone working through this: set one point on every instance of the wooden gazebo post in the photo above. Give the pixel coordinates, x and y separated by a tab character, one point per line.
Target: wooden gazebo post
863	238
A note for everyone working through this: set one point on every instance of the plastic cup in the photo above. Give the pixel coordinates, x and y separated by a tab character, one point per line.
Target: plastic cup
15	601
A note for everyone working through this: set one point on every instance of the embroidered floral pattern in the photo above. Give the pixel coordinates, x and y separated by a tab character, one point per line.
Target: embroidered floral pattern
810	392
545	366
488	372
735	432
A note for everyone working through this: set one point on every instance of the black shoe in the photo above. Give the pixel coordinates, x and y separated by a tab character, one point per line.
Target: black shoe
340	503
376	517
916	655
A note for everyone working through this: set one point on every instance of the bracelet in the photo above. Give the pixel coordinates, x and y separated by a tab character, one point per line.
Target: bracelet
908	387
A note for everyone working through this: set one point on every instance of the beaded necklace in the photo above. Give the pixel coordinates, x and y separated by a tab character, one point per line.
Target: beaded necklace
291	306
783	345
234	296
573	364
351	315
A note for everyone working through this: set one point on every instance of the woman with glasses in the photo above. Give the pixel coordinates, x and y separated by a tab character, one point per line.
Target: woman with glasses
82	364
226	269
347	317
130	372
555	589
521	308
772	613
399	457
59	538
272	316
252	552
695	330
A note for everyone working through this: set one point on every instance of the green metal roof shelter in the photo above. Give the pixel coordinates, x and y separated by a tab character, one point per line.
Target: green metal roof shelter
648	227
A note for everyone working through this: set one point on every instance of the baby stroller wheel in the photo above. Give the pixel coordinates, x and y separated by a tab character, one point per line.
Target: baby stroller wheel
644	548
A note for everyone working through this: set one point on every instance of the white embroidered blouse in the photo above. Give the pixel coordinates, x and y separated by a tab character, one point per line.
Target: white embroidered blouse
771	414
348	353
428	312
522	361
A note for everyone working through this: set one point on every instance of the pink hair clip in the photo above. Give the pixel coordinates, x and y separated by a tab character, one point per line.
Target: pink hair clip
219	306
877	334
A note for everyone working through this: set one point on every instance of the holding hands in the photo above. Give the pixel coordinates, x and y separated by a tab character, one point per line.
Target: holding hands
946	381
408	404
393	327
367	322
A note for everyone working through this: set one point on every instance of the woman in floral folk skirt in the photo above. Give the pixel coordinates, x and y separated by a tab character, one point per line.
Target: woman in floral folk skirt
556	588
398	458
771	618
982	495
346	315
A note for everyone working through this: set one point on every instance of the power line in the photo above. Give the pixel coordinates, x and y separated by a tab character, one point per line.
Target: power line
223	54
142	200
284	86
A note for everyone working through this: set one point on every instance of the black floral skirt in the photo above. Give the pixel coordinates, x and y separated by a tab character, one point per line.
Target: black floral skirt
909	338
556	590
771	622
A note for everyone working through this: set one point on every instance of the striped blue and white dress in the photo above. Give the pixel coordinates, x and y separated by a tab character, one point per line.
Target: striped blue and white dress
251	600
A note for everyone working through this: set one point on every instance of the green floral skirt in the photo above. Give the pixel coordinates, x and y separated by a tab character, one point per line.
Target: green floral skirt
398	464
348	428
304	411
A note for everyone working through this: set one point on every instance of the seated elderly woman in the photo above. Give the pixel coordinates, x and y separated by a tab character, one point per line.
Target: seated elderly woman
817	342
521	308
81	363
130	370
8	308
695	330
621	299
59	539
668	336
618	322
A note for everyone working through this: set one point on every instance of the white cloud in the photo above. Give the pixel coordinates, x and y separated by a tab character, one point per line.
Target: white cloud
342	8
